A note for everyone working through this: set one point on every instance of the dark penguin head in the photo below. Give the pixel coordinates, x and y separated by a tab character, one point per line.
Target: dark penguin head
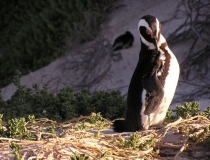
149	30
123	41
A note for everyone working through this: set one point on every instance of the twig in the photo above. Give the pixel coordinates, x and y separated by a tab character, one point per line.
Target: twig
168	126
184	146
9	139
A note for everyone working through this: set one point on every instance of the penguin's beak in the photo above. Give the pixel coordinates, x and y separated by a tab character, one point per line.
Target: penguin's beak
157	38
155	42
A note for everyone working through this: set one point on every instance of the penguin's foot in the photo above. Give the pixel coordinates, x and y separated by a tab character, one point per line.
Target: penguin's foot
119	125
159	126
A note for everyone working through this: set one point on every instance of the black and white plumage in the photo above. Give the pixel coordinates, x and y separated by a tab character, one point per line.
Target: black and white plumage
154	80
123	41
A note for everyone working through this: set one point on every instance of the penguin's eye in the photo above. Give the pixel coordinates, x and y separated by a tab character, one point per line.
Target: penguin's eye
149	33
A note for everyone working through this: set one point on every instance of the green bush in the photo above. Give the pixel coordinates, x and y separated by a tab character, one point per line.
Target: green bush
189	109
16	127
64	106
34	33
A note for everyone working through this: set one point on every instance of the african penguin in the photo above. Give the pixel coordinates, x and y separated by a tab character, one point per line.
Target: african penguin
154	80
123	41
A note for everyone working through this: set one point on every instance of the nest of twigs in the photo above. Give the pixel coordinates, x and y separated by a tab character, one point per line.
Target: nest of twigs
85	138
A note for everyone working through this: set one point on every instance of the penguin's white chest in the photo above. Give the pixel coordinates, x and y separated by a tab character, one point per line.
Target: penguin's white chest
171	81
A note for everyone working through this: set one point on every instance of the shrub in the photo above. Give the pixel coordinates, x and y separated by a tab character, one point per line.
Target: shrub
34	33
66	105
189	109
16	127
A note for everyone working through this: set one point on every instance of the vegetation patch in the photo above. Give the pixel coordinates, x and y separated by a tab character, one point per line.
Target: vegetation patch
63	106
36	124
91	137
34	33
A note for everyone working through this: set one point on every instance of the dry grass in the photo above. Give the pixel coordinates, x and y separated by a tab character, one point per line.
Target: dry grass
97	143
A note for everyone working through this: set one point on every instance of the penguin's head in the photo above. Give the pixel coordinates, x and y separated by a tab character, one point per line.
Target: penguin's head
149	30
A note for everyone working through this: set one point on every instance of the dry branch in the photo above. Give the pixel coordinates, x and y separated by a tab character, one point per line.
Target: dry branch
195	68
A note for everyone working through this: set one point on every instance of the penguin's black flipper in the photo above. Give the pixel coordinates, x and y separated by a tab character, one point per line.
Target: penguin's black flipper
153	86
155	92
119	125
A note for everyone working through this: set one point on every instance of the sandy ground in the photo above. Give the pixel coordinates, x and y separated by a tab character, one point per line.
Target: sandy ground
122	19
